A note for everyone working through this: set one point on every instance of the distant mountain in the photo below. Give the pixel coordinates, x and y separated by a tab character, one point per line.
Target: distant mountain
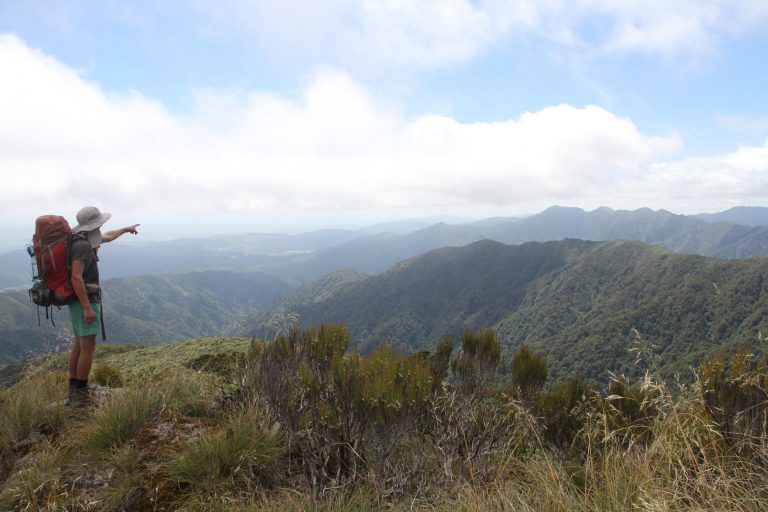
576	302
744	215
679	233
301	259
148	310
246	252
406	226
15	270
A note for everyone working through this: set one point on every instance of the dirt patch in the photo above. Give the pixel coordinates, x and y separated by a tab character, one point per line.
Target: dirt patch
168	431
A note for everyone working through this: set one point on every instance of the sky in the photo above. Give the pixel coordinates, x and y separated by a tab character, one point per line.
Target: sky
198	116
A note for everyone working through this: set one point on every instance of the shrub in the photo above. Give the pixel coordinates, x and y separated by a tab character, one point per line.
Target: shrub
476	364
441	360
529	371
471	437
558	410
346	414
735	397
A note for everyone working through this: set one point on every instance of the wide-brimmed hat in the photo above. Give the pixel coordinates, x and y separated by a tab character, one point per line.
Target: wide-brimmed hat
90	218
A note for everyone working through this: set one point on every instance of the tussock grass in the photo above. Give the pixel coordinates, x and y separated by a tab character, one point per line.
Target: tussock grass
129	482
241	456
107	375
118	419
35	403
190	392
39	476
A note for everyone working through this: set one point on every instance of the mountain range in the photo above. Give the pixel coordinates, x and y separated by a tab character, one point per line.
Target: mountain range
581	304
560	281
300	259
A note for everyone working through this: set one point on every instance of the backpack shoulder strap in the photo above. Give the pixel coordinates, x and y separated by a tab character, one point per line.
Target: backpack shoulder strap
72	239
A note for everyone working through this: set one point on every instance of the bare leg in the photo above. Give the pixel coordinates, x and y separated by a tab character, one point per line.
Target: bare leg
74	356
87	344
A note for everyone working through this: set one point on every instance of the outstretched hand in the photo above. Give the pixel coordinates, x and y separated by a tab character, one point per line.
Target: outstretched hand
111	235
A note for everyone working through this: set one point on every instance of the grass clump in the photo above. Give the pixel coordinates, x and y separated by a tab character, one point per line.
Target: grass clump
129	484
34	405
30	487
243	456
107	375
190	392
118	419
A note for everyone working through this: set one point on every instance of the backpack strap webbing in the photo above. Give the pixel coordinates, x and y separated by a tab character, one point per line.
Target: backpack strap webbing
103	331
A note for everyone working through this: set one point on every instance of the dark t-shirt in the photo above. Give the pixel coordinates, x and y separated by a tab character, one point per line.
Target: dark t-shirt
81	250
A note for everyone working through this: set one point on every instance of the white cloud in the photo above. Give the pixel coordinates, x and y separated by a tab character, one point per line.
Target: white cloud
337	148
437	33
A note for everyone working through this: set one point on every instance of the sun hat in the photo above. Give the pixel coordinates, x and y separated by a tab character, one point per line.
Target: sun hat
90	218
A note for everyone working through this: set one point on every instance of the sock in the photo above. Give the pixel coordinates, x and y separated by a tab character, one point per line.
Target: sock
81	384
72	381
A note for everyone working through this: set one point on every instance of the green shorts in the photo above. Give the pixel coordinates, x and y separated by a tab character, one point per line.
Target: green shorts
80	326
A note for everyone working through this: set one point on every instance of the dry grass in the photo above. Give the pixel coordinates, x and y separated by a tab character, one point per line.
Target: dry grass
181	441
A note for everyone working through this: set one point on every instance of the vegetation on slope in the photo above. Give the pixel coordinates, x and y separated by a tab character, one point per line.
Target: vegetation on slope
579	303
147	310
301	424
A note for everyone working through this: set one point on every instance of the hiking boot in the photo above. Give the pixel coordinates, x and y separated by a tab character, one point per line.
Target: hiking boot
79	395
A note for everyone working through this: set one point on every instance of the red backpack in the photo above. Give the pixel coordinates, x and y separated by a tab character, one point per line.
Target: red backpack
50	248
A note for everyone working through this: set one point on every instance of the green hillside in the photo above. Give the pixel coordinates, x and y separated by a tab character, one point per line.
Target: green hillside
148	310
679	233
578	303
583	318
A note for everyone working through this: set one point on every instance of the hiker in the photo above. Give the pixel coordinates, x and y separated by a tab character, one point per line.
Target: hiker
85	312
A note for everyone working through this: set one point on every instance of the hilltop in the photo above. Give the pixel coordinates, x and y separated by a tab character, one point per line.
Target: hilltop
302	424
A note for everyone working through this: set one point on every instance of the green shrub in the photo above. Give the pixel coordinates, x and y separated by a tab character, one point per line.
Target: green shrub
475	366
735	398
558	408
355	409
441	360
529	371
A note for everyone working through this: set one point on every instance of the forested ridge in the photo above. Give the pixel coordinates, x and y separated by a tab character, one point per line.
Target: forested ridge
581	304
